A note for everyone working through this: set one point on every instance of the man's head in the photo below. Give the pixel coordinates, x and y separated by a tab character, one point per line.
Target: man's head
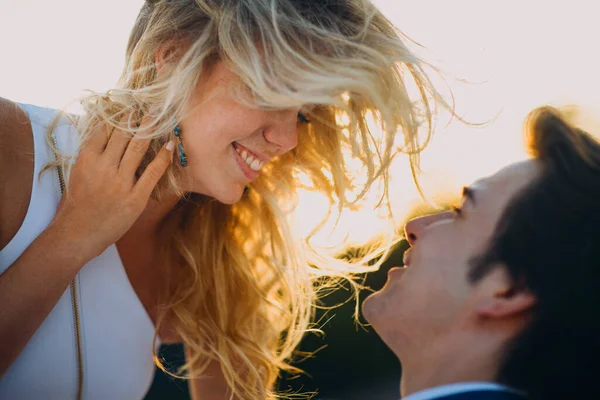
505	287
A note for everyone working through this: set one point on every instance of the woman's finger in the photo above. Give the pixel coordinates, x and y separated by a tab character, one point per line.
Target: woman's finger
155	170
117	144
136	150
98	140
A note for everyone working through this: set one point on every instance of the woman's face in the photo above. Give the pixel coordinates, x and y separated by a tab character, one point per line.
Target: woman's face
227	143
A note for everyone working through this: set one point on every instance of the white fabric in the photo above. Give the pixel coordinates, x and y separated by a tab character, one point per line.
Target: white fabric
117	331
455	388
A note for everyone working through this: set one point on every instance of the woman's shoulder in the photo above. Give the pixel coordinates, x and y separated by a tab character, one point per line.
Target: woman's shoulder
16	140
13	118
16	168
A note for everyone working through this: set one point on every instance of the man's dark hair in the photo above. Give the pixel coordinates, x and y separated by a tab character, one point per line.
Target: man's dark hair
548	240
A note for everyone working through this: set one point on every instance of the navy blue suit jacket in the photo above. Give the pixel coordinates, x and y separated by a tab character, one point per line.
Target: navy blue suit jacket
482	395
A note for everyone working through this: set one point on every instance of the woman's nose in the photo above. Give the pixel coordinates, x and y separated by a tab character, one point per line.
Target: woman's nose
284	133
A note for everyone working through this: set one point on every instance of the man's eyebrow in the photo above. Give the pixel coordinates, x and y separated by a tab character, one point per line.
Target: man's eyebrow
469	194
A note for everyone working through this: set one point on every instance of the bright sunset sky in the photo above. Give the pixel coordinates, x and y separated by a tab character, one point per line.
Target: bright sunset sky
517	53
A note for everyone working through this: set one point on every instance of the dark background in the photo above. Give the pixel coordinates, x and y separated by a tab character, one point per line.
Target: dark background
354	365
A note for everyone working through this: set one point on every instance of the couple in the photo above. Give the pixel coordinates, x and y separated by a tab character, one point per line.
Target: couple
174	222
498	298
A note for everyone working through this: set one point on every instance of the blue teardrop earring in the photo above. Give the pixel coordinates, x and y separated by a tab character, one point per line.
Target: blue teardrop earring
182	157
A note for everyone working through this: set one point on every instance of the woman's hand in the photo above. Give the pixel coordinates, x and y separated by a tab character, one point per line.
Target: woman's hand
103	197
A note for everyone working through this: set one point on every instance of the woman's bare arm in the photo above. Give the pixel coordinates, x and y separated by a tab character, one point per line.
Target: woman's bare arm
28	292
104	200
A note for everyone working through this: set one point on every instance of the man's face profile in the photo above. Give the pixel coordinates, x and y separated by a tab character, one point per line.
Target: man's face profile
432	297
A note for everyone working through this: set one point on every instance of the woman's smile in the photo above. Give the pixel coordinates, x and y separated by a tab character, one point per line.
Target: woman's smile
249	162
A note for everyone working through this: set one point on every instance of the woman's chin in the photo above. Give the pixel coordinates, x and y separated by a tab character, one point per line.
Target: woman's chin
230	195
226	194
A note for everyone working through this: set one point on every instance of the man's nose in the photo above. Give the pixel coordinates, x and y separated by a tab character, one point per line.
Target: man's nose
284	132
415	227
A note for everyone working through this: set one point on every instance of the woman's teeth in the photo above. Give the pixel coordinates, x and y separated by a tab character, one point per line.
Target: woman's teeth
254	163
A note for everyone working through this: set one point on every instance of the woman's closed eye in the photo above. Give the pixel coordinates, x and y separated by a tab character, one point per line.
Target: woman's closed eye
302	118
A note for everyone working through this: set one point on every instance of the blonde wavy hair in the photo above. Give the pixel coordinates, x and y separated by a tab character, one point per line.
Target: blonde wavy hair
241	286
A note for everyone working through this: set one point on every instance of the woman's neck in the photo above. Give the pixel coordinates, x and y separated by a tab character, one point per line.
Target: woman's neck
155	212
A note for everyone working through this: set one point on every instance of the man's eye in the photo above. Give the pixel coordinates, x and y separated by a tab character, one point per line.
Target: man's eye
457	211
303	119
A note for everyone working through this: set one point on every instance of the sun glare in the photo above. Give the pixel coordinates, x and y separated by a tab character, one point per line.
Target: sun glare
499	59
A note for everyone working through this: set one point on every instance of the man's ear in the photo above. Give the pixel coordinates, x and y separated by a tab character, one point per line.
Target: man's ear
503	297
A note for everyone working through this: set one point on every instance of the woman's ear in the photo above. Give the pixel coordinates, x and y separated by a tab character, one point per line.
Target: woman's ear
164	54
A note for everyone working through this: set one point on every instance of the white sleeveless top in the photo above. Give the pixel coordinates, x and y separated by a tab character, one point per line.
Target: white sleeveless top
117	332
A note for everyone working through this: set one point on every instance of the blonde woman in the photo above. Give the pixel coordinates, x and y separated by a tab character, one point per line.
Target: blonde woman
178	186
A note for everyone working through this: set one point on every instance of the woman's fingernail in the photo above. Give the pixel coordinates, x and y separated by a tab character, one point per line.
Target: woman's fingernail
170	145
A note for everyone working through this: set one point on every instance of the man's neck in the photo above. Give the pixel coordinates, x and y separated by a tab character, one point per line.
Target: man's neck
447	368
